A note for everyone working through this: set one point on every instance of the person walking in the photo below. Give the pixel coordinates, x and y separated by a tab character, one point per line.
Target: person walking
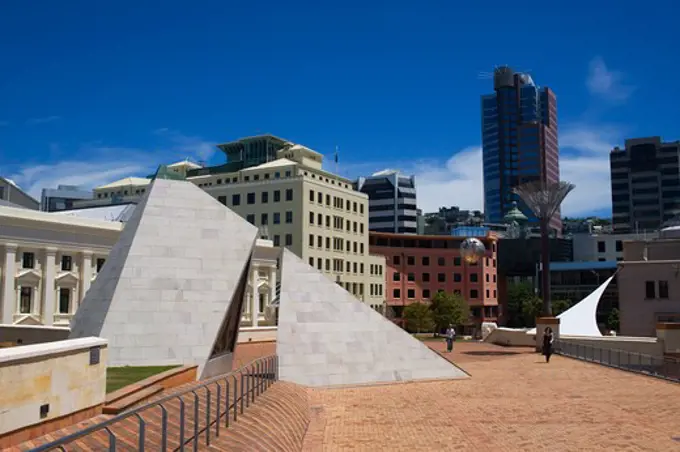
548	339
450	338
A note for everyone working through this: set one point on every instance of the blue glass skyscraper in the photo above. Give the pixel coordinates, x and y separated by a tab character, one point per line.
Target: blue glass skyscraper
519	142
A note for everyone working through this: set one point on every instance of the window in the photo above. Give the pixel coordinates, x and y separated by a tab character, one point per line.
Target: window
311	241
28	260
277	175
456	261
663	289
265	197
619	246
426	277
289	239
236	200
396	293
396	276
650	290
487	293
474	277
288	173
441	261
426	261
410	260
277	218
222	199
411	277
277	240
319	263
264	219
487	277
396	260
289	217
25	300
289	194
328	200
441	277
311	217
64	300
319	198
311	195
361	208
277	195
100	264
66	263
601	246
411	293
426	293
256	177
250	218
474	294
457	277
250	198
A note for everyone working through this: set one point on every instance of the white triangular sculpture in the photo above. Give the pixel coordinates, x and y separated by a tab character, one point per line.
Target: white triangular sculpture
326	337
171	290
580	319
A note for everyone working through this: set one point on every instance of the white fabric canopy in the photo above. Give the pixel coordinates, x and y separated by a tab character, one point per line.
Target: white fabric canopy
580	320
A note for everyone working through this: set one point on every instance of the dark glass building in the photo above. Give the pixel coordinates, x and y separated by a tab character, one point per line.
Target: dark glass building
519	142
391	202
645	178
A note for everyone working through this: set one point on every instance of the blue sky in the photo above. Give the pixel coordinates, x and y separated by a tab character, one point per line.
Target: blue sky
94	91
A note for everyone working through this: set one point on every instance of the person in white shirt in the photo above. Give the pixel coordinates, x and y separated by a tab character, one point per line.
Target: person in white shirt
450	338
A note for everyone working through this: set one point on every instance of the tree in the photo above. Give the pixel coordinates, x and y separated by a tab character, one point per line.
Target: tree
613	320
418	317
518	295
448	309
559	306
531	308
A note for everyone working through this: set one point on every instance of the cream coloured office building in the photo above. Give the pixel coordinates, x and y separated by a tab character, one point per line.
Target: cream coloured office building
316	214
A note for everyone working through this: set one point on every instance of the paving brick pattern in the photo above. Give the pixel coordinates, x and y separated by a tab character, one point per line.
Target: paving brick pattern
513	402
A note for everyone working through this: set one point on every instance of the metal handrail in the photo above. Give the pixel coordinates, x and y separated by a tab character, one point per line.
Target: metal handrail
665	367
263	372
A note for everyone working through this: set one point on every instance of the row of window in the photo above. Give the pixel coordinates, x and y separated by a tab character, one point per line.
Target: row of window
602	246
276	218
426	293
26	300
338	265
139	191
338	223
251	197
288	240
441	277
441	261
256	177
338	202
338	244
376	290
28	262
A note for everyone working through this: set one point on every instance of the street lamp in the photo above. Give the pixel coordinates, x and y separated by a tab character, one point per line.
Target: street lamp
544	199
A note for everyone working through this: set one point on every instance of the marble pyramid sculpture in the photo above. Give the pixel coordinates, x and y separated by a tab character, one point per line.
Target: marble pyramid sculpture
171	290
326	337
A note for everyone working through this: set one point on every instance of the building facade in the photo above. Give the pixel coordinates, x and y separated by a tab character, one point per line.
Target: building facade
645	181
519	142
417	267
391	202
604	247
62	197
649	287
12	195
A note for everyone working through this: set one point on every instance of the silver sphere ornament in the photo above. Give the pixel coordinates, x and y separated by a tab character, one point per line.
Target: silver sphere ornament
471	250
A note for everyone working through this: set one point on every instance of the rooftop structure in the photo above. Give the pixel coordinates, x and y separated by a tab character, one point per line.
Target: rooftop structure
12	195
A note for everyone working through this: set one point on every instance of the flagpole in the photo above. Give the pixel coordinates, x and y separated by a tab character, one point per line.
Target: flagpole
336	161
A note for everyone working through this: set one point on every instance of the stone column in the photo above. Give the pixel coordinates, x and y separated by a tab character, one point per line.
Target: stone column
85	276
254	298
541	324
8	290
272	283
49	291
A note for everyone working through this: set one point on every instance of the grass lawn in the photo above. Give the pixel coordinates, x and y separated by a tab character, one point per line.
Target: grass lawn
118	377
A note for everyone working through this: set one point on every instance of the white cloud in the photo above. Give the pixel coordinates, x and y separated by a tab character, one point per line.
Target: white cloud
605	83
191	146
45	120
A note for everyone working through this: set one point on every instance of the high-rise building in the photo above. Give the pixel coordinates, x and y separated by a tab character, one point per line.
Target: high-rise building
391	202
645	178
519	142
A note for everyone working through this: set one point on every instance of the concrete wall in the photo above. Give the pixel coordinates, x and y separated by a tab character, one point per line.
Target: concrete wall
57	375
29	334
643	345
511	337
259	334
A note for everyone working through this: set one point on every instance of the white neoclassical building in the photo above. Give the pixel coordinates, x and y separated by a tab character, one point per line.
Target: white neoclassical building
49	260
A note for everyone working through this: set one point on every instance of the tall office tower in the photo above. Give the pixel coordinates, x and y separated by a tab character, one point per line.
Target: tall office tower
391	202
519	142
645	179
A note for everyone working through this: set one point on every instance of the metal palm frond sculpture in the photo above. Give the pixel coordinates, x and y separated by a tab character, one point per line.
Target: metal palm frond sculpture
544	199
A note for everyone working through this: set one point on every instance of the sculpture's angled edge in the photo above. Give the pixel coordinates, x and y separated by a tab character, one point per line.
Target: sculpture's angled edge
326	337
171	290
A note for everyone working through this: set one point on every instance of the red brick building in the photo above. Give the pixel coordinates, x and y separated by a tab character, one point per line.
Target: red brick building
418	266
